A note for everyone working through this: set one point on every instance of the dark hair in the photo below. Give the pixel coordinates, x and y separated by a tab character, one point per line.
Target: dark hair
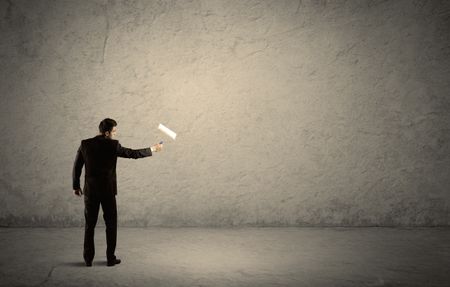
106	125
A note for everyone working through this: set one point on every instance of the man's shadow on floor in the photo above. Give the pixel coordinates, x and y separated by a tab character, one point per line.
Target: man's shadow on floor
82	264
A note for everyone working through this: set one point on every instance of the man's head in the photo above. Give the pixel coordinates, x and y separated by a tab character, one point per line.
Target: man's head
108	128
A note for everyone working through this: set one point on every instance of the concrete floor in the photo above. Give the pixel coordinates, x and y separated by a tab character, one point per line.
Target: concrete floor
229	257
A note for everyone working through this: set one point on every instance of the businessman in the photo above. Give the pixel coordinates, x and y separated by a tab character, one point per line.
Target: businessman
99	156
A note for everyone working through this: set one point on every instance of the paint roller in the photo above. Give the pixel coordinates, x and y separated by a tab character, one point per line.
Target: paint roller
167	131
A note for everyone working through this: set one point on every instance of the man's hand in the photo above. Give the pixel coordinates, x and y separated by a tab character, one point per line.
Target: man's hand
78	192
157	147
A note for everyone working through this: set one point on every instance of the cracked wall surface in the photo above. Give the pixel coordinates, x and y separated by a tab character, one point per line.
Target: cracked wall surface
287	112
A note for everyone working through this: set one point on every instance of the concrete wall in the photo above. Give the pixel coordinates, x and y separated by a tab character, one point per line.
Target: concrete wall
287	112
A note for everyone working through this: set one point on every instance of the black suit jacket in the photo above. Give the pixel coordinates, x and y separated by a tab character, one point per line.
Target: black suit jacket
99	155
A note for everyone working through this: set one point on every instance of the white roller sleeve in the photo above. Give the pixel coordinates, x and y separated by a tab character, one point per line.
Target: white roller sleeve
167	131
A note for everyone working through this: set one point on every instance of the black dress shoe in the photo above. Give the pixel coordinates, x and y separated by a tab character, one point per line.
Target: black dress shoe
113	262
88	263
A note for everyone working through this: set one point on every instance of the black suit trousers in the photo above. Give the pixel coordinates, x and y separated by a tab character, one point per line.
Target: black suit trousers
92	204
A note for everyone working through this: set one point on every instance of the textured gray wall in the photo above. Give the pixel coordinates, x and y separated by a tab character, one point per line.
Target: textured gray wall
287	112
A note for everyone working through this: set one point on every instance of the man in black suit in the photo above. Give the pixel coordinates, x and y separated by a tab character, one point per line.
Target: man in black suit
99	156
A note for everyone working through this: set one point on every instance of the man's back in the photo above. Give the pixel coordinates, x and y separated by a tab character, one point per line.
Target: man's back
99	155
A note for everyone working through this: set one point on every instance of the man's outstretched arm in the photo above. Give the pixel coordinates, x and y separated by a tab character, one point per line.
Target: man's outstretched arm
76	172
137	153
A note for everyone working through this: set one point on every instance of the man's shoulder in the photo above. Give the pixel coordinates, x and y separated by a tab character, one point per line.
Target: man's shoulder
99	139
87	140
